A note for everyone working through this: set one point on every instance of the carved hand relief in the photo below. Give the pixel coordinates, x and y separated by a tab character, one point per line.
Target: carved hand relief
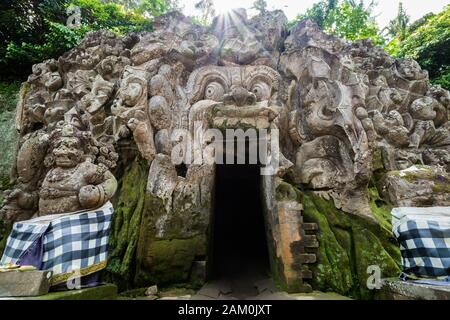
336	105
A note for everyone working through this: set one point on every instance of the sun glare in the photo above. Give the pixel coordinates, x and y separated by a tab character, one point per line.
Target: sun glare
223	7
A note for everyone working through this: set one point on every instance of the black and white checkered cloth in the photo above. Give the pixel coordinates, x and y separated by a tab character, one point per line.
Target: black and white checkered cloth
70	242
424	238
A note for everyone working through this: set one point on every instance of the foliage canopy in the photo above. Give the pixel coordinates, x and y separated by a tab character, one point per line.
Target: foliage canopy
34	30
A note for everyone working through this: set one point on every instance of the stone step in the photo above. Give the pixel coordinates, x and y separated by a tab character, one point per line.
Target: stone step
307	258
310	226
395	289
24	284
310	241
102	292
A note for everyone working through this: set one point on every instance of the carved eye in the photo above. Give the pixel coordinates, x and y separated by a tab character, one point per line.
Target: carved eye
261	91
214	91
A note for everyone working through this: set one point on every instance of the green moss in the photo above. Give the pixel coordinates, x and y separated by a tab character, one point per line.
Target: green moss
276	270
9	93
133	293
441	181
382	212
333	272
129	205
369	251
103	292
170	261
380	209
424	173
285	191
441	187
349	244
177	290
377	160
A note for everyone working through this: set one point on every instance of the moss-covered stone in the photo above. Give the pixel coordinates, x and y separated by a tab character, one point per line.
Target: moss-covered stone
133	293
103	292
349	245
369	251
174	235
333	272
129	205
9	93
170	261
419	186
440	179
285	191
177	290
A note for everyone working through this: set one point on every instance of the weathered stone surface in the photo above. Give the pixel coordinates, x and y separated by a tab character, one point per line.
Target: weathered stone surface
198	273
395	289
348	245
152	291
24	284
125	230
9	140
103	292
346	116
419	186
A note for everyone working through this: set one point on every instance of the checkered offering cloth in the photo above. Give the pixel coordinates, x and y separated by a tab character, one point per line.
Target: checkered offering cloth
424	238
70	242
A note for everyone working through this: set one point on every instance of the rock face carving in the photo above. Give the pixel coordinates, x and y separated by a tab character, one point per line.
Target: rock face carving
74	182
350	120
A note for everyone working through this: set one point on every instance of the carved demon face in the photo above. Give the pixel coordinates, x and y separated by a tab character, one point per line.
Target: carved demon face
236	96
68	153
69	150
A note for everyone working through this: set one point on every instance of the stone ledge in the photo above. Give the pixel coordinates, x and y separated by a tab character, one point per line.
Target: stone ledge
103	292
402	290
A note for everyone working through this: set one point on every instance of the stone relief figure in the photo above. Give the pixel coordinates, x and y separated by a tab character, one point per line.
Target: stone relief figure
46	79
335	129
74	182
347	114
381	97
130	111
93	102
423	113
392	127
21	202
428	114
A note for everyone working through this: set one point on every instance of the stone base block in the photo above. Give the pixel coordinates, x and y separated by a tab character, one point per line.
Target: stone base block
24	284
394	289
103	292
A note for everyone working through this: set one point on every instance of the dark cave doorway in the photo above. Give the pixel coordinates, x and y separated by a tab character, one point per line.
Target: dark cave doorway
239	244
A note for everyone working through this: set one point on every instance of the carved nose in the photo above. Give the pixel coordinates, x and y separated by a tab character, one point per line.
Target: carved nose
240	97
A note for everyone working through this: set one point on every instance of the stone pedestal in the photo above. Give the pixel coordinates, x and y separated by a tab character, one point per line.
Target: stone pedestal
394	289
103	292
27	283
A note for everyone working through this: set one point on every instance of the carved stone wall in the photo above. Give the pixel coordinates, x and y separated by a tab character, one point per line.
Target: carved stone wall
350	120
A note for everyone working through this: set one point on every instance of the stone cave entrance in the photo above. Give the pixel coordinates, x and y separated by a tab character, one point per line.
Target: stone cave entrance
239	244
